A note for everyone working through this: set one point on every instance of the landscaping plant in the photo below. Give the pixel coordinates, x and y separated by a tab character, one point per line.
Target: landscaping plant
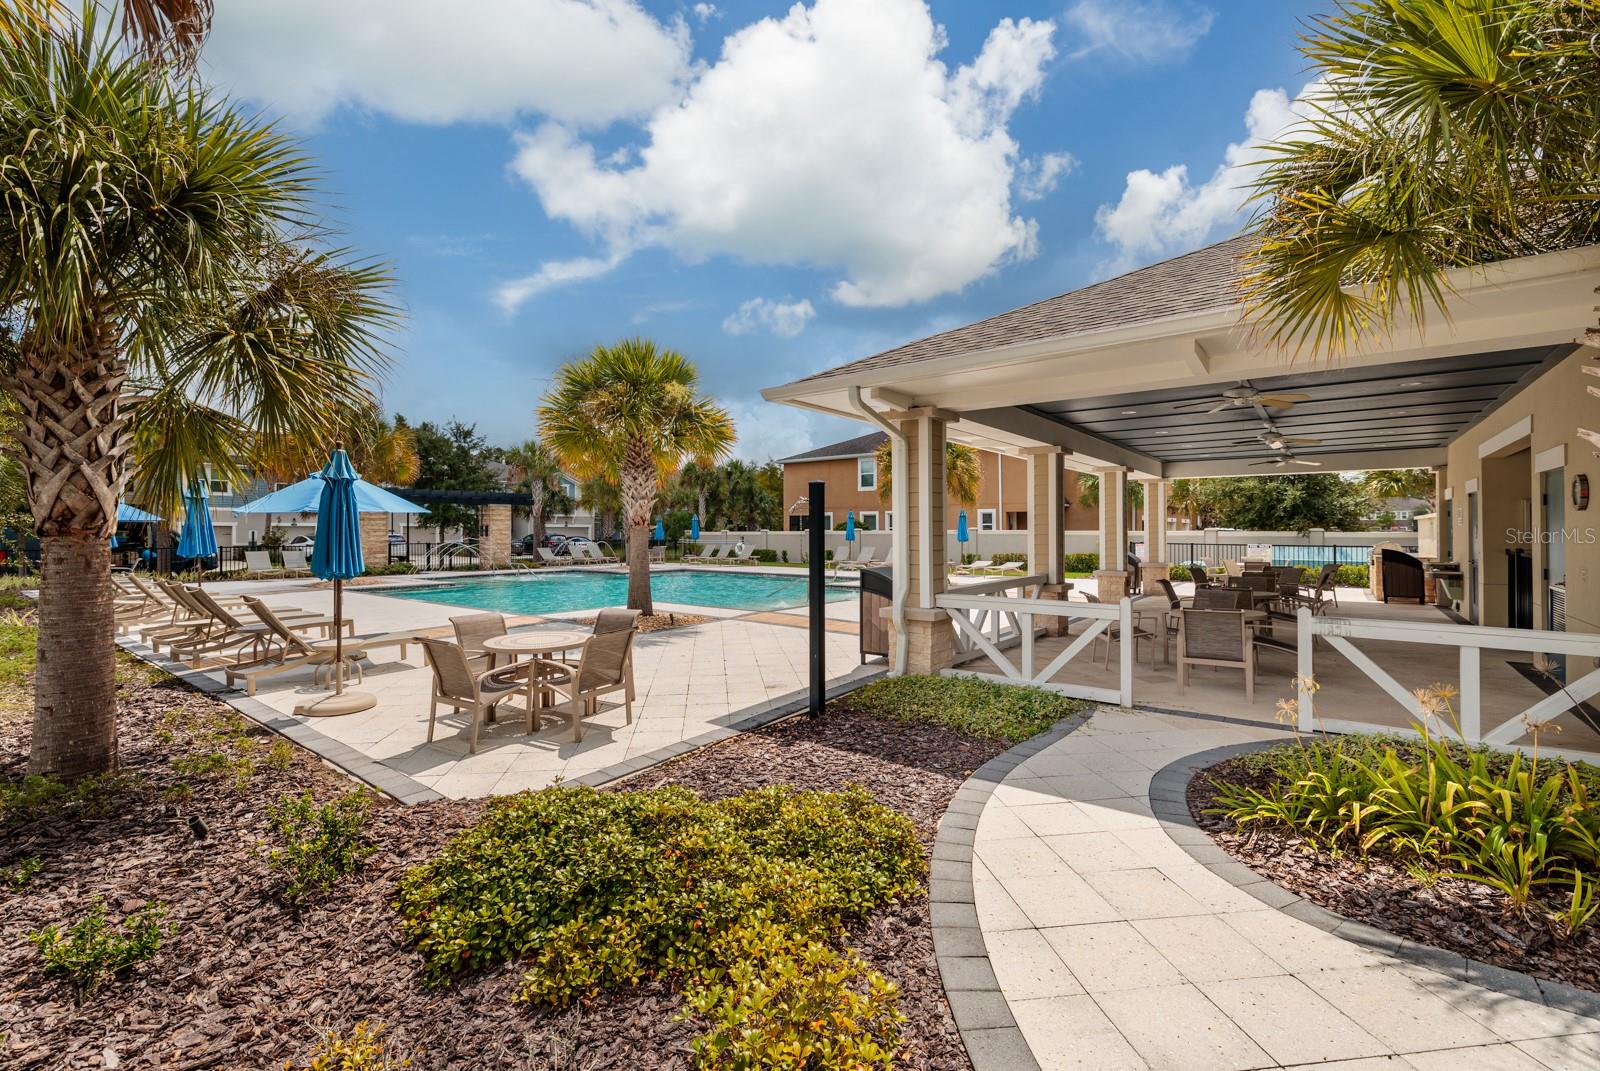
93	949
1006	713
316	846
741	899
359	1050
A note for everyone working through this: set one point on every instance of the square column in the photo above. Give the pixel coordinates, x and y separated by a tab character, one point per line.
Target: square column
930	637
1046	545
1112	578
495	545
375	540
1156	565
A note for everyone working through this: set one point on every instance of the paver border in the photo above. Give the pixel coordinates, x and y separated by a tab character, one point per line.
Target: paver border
407	790
1170	802
983	1018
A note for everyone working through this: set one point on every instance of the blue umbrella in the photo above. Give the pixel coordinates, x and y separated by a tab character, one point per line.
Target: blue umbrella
127	514
337	557
306	497
694	527
661	531
197	540
961	527
850	527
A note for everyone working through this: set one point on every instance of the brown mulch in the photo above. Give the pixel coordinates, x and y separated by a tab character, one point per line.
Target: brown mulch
1448	913
654	622
244	982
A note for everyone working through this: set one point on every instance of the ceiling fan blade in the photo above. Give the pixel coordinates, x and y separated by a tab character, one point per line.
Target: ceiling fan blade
1246	442
1281	401
1308	464
1220	406
1266	464
1181	407
1301	440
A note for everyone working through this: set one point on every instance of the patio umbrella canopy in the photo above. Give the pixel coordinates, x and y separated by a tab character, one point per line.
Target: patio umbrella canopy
961	527
127	514
694	527
197	540
306	497
850	527
661	531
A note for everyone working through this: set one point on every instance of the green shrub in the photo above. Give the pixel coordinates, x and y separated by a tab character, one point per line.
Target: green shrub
18	648
1005	713
92	949
222	745
21	875
36	796
360	1050
766	554
391	569
1082	563
595	890
316	846
1492	818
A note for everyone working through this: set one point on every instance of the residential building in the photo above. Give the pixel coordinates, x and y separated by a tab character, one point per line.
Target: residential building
849	470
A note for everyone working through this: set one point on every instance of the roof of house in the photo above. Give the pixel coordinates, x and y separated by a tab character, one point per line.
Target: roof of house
861	444
1202	281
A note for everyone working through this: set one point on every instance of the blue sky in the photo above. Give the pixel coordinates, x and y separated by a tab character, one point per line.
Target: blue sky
769	190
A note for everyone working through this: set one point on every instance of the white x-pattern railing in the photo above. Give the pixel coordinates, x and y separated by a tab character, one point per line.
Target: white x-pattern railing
989	622
1471	640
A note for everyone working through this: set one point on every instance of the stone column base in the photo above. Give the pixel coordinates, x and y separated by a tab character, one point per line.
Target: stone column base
1054	626
1150	572
1112	585
930	639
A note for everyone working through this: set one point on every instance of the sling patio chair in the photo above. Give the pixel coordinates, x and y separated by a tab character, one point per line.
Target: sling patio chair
974	568
1219	639
1316	598
472	630
1113	634
1201	578
285	649
294	561
260	561
604	668
229	634
457	685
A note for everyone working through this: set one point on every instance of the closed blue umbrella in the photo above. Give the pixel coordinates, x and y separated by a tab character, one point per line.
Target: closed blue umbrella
961	527
694	527
197	540
661	531
850	527
337	557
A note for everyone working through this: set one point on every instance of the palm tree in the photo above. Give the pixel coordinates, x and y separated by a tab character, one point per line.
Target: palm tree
153	308
382	450
963	472
1399	483
632	412
1089	492
167	30
1446	133
697	481
534	471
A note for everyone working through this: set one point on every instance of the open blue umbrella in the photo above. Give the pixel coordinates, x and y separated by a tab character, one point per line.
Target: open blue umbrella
661	531
127	514
306	497
337	557
197	540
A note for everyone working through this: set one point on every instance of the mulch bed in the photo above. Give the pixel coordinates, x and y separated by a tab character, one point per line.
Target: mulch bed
1455	915
244	982
655	622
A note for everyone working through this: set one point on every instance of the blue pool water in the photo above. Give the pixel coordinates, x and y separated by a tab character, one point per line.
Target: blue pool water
557	592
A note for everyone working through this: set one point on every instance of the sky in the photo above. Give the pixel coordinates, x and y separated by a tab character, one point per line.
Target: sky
769	189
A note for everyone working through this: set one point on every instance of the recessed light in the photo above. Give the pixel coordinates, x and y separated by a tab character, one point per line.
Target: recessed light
1130	412
1416	383
1163	433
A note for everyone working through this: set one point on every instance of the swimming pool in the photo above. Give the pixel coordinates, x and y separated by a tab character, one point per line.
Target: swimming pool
559	591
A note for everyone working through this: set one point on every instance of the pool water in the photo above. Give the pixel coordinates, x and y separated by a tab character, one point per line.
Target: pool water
557	592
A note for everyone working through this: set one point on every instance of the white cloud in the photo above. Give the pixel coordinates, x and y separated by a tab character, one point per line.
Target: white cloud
706	12
579	61
784	319
1164	213
1143	30
1038	177
833	137
511	295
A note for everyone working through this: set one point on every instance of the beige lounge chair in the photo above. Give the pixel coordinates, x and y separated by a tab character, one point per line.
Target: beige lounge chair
868	558
228	633
974	568
709	556
457	685
260	561
548	556
472	630
286	649
593	553
1010	568
603	669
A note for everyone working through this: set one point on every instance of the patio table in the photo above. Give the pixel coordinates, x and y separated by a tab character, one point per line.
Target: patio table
534	643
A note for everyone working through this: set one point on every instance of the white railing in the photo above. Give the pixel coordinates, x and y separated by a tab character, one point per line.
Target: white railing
1472	640
992	624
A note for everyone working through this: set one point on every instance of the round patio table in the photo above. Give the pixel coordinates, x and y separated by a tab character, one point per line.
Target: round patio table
536	643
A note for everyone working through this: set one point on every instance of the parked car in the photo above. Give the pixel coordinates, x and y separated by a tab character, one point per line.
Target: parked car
300	542
396	539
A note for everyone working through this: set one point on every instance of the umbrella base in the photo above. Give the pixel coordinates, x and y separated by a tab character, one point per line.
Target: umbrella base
337	703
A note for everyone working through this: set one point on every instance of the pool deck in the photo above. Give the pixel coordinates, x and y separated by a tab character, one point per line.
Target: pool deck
694	684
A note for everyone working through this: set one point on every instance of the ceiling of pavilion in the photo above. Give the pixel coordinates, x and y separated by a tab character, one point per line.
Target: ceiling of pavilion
1415	405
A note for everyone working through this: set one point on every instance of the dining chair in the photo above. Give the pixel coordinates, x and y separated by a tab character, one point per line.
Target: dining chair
456	684
472	630
602	670
1216	638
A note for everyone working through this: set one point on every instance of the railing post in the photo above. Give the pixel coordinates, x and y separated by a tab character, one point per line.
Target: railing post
1129	643
1471	697
1025	623
1305	671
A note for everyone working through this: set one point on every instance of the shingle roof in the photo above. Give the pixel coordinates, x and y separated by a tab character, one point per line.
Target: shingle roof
1202	281
861	444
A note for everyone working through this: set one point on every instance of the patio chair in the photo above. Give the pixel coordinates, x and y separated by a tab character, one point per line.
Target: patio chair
616	619
1135	576
457	685
1232	569
1198	574
973	568
547	556
226	633
1113	634
1216	638
602	670
472	630
1174	603
1221	598
260	561
294	561
286	649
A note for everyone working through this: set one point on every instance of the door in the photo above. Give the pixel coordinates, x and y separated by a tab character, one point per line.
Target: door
1519	587
1553	537
1472	557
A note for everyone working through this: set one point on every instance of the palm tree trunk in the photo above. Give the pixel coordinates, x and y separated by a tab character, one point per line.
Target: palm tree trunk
537	509
638	491
73	440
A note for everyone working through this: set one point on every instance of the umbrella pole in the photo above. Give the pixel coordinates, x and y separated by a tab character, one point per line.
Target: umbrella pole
338	636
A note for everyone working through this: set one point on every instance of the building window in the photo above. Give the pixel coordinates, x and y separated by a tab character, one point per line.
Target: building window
867	520
1016	521
986	520
866	474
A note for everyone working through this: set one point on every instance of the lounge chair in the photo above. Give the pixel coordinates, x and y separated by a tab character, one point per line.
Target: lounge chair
260	561
228	633
1217	638
604	668
286	649
709	556
974	568
1010	568
294	561
869	557
590	553
457	685
472	630
548	556
740	557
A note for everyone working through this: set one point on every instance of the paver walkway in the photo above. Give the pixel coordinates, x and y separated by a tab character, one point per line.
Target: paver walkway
1115	948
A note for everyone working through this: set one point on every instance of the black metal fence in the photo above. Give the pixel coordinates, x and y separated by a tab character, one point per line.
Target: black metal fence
1311	557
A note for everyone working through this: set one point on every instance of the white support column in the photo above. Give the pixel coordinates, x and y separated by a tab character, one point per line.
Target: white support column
1112	578
930	641
1157	566
1046	538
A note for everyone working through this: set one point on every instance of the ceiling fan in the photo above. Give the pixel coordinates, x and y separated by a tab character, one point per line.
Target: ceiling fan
1275	440
1242	397
1283	460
